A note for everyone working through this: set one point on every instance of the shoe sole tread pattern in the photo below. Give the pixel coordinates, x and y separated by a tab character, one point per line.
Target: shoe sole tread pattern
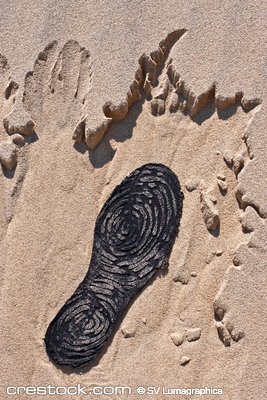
133	237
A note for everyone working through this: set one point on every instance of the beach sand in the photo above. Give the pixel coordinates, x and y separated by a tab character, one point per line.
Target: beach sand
93	90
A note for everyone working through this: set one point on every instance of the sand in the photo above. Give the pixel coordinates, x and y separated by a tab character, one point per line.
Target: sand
89	92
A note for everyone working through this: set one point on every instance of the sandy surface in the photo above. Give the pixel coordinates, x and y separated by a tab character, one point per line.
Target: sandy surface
200	108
